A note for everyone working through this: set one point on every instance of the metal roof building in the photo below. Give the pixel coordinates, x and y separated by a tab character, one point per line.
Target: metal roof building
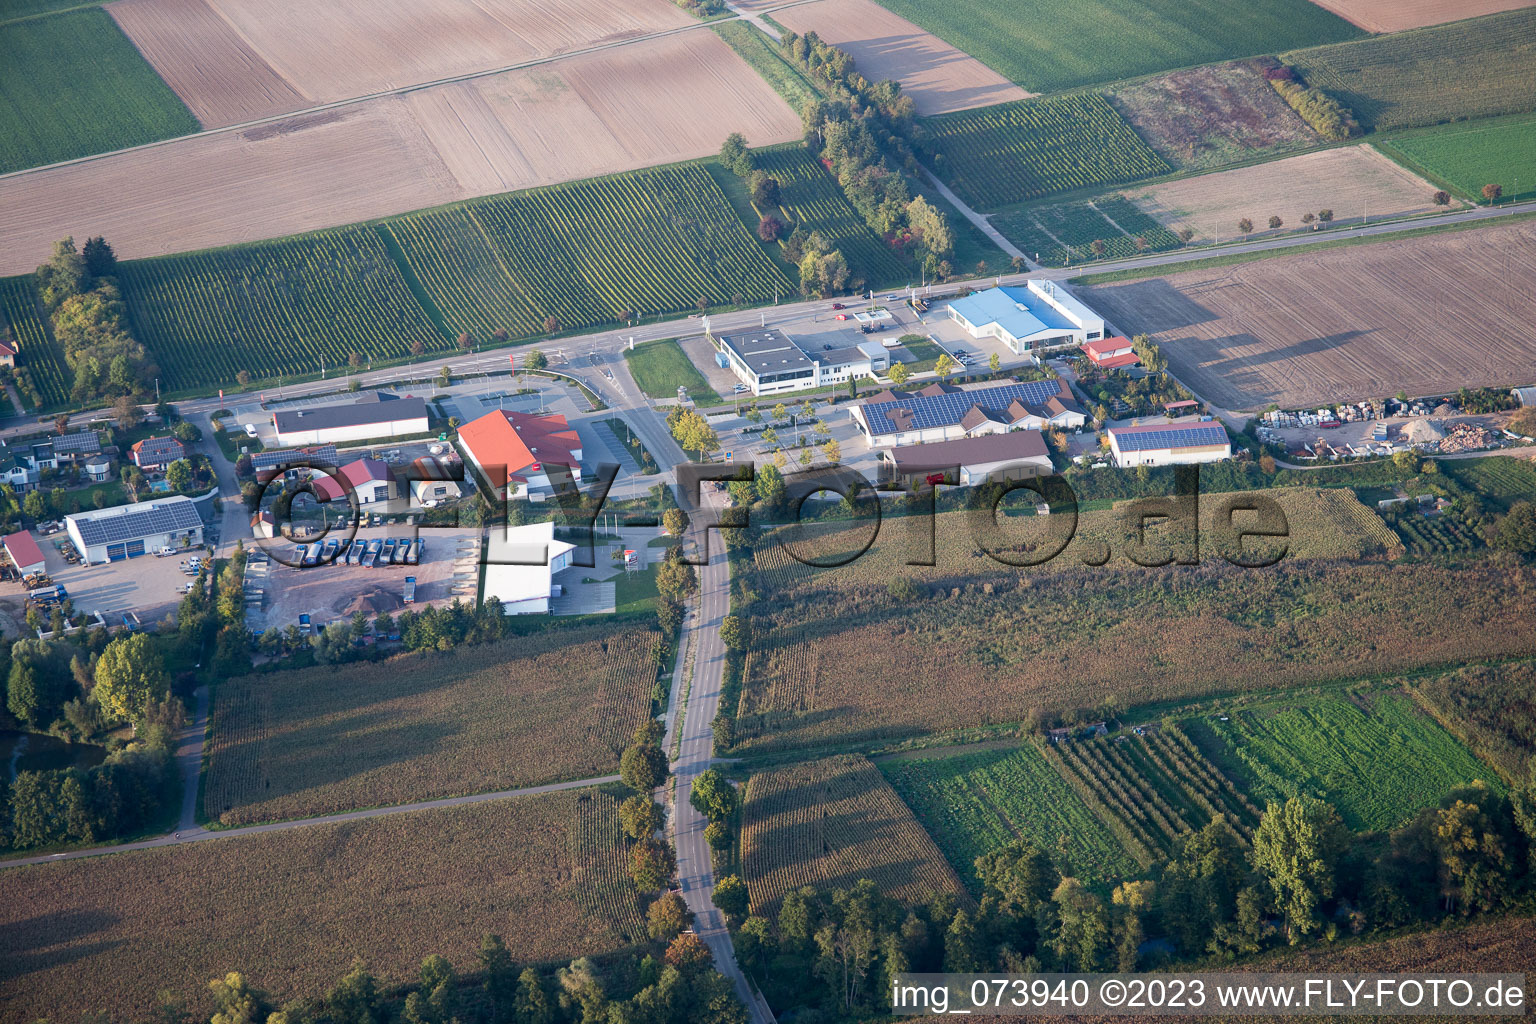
944	412
24	553
127	531
1170	444
373	415
770	362
1028	320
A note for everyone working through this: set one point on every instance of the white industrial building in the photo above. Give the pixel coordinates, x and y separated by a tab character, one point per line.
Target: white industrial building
520	565
127	531
945	412
1180	443
770	362
372	415
1039	318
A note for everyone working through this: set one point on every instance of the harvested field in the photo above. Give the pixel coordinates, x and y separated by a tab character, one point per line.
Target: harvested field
206	62
571	119
543	708
1207	117
1396	15
339	49
938	77
828	824
1354	182
840	659
1423	315
292	909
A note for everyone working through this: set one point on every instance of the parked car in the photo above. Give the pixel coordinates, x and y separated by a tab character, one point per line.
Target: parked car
250	430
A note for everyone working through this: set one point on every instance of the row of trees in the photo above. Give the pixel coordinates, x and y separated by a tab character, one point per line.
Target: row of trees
80	294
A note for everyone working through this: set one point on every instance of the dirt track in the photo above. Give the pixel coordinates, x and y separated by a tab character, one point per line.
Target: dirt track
637	105
1395	15
938	77
1423	315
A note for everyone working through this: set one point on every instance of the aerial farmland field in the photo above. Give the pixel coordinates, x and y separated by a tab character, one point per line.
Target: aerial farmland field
292	909
73	85
830	823
839	659
1046	47
42	362
1468	156
1355	182
1396	15
1020	151
938	77
1480	67
553	706
1426	315
652	102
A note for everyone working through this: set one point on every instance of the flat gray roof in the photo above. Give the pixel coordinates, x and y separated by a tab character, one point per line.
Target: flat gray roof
352	414
769	350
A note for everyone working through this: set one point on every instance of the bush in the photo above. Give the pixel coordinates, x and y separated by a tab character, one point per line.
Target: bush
1327	116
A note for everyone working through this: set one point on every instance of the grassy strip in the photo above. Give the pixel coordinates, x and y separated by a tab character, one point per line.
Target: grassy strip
661	368
754	47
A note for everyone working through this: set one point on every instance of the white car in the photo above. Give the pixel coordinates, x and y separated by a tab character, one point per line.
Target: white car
250	430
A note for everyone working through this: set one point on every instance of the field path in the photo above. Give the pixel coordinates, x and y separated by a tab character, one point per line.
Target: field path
198	835
977	219
189	758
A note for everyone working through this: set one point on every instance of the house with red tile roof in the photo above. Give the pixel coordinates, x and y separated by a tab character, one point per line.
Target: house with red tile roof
1111	353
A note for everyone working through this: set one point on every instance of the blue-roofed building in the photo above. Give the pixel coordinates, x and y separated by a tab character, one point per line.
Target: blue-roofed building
945	412
1038	318
1180	443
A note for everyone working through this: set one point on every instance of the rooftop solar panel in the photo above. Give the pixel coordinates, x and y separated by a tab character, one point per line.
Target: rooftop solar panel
1182	437
947	409
156	518
288	456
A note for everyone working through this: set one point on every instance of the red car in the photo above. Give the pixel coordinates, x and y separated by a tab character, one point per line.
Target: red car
841	316
838	305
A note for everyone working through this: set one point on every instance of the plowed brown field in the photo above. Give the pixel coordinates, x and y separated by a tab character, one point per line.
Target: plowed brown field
938	77
655	101
1423	315
1395	15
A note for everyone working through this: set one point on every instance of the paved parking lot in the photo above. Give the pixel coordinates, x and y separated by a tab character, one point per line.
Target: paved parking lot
149	586
329	593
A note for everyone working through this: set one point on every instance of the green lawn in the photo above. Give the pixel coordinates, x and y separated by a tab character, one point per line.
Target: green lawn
1467	156
71	84
759	51
976	802
1378	763
1467	69
1046	46
660	368
14	10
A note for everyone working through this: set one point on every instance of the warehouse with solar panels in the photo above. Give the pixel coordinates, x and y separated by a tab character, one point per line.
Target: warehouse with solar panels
128	531
1170	444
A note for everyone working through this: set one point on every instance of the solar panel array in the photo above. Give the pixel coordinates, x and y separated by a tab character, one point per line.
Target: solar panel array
84	441
1174	437
276	457
160	449
156	518
945	410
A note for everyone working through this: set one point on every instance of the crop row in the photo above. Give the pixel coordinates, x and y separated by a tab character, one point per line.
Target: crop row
38	356
601	881
1436	535
1024	150
587	253
274	309
1175	755
1065	235
1133	807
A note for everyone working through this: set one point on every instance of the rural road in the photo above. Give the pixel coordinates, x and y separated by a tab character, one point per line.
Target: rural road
189	758
199	835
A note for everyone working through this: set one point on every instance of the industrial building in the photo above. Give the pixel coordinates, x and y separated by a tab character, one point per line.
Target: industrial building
520	565
1039	318
127	531
370	416
514	450
1180	443
24	553
1016	455
770	362
369	479
945	412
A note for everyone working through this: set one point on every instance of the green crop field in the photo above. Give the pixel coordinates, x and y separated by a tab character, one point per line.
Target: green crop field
1468	156
759	51
1502	480
1048	46
1466	69
1375	757
15	10
274	309
71	84
975	802
812	199
649	242
38	355
661	367
1014	152
1065	234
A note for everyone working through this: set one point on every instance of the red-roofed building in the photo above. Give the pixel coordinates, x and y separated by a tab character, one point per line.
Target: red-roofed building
24	553
7	354
369	478
1111	353
514	449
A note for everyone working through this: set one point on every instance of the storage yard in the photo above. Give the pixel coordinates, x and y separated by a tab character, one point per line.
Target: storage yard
1344	324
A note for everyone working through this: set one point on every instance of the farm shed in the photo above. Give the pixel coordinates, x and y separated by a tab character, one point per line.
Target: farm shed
430	480
1170	444
127	531
520	565
372	416
1016	455
24	553
1525	396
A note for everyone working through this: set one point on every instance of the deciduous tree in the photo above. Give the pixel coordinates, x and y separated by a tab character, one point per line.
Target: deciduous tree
130	674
